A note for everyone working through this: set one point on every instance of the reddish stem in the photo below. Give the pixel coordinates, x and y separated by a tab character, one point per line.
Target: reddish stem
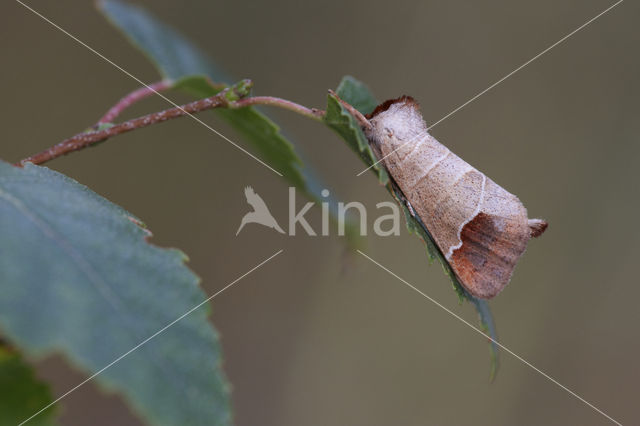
354	112
313	113
83	140
132	98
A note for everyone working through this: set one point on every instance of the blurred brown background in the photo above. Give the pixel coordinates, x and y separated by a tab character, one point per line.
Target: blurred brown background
317	338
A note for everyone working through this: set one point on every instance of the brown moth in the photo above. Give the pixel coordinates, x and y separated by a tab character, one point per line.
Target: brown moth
480	228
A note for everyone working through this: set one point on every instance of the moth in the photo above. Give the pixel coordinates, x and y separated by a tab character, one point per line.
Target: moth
480	228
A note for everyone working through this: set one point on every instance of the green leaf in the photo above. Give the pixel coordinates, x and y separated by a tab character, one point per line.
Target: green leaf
78	276
339	119
193	72
257	128
21	393
178	59
174	56
488	326
345	125
358	93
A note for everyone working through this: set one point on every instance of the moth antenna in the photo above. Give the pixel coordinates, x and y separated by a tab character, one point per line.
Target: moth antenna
537	227
357	114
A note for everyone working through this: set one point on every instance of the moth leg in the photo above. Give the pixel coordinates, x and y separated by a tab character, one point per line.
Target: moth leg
413	213
401	197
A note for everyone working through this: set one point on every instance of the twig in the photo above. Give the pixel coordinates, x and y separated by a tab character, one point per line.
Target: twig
356	114
83	140
233	98
313	113
132	98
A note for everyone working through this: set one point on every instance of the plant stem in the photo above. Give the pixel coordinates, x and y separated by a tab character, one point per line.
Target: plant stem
354	112
313	113
227	98
83	140
132	98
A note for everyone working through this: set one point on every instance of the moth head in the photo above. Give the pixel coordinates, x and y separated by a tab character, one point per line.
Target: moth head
398	119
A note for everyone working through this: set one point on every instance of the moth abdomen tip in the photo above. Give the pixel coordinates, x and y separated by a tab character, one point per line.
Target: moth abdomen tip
537	227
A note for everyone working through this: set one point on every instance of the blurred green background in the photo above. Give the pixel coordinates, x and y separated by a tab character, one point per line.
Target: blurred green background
320	336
